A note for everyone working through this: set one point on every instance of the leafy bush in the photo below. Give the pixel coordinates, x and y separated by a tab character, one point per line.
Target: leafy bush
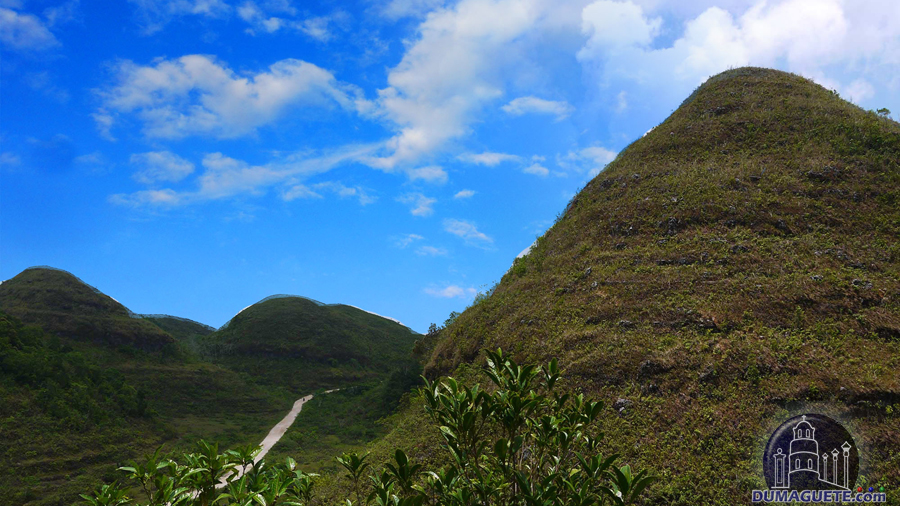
521	444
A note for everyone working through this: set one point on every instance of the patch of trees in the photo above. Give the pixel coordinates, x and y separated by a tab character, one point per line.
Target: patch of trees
66	385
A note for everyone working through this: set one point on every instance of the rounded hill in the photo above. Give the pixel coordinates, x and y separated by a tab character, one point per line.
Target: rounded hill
64	305
295	337
737	264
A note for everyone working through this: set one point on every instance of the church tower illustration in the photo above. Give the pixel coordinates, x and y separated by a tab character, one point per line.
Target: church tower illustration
804	468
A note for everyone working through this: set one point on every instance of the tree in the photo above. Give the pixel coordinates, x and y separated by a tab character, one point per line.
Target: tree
523	443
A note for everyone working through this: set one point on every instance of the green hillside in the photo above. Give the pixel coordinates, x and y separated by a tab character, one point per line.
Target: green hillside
66	306
86	384
303	344
738	264
181	329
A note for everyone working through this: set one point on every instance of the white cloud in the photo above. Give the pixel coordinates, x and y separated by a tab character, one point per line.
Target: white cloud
844	45
43	82
148	198
397	9
299	191
153	15
61	14
525	105
464	194
537	169
431	251
615	24
343	191
157	166
621	101
9	159
225	177
430	174
452	291
488	158
24	32
468	231
318	28
420	205
196	95
588	161
408	239
452	69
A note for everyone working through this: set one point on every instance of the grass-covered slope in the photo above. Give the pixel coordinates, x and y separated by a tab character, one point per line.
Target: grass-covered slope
64	305
82	388
302	344
739	263
181	329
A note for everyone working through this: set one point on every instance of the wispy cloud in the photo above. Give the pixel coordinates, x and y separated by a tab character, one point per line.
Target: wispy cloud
397	9
420	205
225	177
274	16
464	194
154	15
530	104
197	95
431	251
468	232
589	161
452	291
406	240
21	31
8	159
363	195
430	174
537	169
488	158
158	166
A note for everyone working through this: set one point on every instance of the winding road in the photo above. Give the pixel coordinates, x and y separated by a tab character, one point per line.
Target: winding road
276	433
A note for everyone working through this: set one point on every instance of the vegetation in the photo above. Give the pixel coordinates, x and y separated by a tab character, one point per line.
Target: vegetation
521	443
65	306
87	390
345	420
303	345
181	329
737	265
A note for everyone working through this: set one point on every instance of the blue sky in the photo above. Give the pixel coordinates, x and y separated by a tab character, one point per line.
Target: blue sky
191	157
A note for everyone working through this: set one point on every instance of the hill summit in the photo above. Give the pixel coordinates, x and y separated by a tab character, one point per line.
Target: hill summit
289	339
65	305
737	264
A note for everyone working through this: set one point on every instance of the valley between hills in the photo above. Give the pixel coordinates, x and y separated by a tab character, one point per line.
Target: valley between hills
736	266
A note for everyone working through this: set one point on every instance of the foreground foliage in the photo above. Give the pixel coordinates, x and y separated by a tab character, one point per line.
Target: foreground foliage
518	442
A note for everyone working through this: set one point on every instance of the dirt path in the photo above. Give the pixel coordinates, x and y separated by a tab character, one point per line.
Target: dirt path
276	433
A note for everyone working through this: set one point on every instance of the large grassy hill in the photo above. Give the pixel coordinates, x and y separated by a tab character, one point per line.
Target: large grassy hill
737	265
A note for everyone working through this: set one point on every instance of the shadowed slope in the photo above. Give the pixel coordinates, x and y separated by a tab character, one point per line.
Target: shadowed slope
301	343
64	305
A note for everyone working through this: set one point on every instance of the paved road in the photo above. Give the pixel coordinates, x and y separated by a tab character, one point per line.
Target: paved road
277	432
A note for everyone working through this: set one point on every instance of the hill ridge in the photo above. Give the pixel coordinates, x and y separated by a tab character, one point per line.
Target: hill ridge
314	301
